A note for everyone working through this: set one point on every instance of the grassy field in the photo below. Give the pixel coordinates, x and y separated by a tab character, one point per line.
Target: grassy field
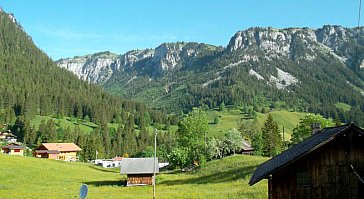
230	118
65	122
345	107
26	177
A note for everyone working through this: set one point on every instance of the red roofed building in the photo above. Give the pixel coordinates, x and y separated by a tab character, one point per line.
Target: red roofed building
57	151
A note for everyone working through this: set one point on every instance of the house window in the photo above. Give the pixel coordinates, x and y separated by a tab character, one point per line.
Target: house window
17	150
303	177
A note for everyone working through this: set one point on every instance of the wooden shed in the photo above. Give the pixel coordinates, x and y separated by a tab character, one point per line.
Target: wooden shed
329	164
139	170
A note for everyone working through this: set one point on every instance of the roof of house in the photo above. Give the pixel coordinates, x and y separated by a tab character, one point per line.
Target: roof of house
117	159
246	146
61	147
13	146
138	166
298	151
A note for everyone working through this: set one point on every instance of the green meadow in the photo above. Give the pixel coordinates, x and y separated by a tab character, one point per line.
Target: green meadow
231	118
65	122
27	177
345	107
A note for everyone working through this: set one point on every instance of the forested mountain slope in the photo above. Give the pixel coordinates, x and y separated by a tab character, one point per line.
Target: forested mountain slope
31	82
32	85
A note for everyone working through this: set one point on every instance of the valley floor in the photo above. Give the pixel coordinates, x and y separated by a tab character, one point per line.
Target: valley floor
26	177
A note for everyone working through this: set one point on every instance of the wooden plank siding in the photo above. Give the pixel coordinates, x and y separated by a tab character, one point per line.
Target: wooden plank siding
140	179
328	170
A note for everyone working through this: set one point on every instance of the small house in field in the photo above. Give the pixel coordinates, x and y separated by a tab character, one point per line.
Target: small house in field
139	170
13	149
329	164
57	151
246	148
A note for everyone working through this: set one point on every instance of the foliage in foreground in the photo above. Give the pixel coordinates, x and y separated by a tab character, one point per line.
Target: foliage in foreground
41	178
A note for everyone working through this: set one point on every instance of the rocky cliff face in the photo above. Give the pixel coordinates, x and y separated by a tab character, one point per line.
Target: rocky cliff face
283	42
130	58
96	68
99	67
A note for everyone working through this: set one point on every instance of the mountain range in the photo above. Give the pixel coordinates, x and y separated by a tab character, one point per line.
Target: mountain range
275	43
297	68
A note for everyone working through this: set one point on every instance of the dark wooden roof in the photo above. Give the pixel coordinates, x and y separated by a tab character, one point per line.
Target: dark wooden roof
301	149
13	147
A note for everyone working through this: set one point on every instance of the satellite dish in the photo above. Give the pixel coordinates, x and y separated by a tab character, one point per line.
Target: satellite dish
83	191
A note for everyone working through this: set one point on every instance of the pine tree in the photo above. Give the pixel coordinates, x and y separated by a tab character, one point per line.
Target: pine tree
68	135
106	142
98	143
337	120
43	137
51	131
118	141
131	145
272	141
77	132
143	139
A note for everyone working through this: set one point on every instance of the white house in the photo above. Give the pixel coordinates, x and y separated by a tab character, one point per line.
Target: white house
109	163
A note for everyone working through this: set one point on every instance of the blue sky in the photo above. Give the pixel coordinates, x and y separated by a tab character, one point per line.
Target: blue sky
66	28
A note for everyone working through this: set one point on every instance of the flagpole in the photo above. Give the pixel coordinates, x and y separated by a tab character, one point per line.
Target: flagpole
155	157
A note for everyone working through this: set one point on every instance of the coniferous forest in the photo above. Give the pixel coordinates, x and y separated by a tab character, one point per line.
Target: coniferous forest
32	84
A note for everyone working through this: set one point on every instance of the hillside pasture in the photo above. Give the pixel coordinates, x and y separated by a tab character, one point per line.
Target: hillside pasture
231	118
27	177
66	122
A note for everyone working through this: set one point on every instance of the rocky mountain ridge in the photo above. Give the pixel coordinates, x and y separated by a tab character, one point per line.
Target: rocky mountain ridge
99	67
270	42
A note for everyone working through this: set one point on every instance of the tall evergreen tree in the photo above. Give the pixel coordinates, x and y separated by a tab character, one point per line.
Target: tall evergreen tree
118	141
106	142
68	135
143	139
272	141
51	131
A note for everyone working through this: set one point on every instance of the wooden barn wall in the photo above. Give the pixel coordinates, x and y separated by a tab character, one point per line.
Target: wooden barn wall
140	179
330	174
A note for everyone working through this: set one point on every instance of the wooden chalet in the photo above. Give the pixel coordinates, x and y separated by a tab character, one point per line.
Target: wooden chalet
329	164
57	151
13	149
139	170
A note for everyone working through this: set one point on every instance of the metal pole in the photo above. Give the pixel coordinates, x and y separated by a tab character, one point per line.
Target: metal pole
155	160
284	143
